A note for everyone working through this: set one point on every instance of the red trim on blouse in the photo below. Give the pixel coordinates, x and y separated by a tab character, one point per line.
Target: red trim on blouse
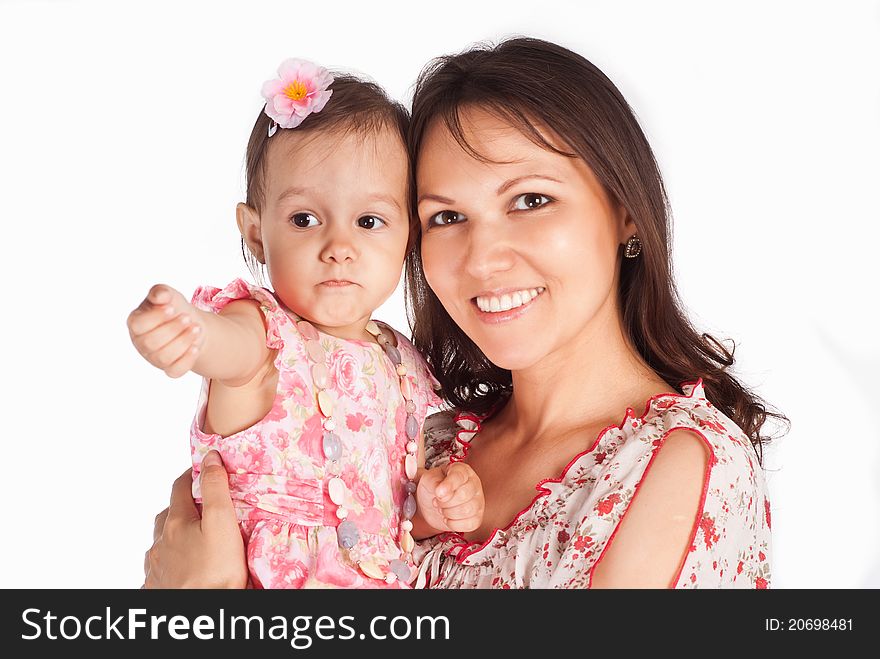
696	526
463	545
466	416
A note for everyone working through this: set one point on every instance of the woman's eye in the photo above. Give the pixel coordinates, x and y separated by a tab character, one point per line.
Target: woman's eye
304	220
445	217
530	201
370	222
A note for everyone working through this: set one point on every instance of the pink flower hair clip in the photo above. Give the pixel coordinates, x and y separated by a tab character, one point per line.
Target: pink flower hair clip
299	90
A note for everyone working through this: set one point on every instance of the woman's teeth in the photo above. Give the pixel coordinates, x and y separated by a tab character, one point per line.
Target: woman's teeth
508	301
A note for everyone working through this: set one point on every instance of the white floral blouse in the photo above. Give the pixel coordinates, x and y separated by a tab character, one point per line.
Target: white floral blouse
558	540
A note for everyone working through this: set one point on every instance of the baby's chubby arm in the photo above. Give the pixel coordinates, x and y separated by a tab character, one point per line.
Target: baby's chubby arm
176	337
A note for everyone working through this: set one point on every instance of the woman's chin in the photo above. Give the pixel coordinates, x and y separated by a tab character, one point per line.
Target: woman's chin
510	358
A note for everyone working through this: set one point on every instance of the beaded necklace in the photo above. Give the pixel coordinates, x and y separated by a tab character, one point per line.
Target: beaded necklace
347	533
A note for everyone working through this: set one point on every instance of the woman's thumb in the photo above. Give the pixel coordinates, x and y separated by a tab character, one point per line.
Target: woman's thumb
214	484
213	458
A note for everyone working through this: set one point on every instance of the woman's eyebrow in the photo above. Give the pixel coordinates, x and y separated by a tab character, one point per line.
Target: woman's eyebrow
435	197
504	187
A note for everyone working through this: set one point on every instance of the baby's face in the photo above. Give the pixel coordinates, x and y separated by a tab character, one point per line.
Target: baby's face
335	225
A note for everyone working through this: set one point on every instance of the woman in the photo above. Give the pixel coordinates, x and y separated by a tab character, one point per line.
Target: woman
543	298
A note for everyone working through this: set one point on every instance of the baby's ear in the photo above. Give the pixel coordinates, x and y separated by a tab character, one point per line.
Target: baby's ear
248	220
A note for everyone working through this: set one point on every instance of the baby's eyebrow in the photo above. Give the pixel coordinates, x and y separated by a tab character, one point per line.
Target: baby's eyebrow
388	199
294	192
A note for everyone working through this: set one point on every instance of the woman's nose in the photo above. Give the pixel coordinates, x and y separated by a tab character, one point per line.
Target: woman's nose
488	251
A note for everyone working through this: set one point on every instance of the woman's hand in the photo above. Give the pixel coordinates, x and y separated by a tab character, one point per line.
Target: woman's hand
450	498
192	551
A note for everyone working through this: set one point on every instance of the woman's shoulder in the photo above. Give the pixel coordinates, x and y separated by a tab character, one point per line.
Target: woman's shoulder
677	437
687	415
684	430
683	453
682	474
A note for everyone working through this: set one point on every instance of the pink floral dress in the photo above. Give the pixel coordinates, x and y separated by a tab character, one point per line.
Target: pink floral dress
558	540
277	468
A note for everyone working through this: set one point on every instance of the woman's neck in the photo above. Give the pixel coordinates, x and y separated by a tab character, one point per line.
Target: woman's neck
589	381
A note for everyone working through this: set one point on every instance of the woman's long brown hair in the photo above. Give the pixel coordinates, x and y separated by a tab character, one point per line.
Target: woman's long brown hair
525	81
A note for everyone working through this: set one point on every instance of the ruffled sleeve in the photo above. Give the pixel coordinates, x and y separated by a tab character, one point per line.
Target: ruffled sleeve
427	385
447	436
211	298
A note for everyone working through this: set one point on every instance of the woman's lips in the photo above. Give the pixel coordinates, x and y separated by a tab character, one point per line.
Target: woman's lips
523	299
508	298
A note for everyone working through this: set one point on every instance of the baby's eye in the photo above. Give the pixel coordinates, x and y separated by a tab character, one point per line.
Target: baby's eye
530	201
304	220
370	222
445	217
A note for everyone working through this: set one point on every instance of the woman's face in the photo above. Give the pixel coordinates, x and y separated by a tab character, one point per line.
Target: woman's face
522	254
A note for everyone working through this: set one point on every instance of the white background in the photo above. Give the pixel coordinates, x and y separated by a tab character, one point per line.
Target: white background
122	135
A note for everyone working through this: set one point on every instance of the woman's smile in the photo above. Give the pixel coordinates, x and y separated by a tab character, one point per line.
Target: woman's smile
506	304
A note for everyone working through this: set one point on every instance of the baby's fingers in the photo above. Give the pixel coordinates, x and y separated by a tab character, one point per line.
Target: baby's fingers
184	364
463	511
156	339
465	524
162	302
160	294
466	491
178	355
456	476
147	318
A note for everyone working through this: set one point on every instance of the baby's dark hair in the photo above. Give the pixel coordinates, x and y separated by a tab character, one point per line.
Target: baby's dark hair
356	105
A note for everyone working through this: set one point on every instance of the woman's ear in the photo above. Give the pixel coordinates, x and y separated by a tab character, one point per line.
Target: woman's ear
248	220
625	225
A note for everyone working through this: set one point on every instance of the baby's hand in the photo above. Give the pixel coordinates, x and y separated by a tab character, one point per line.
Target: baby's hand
167	331
450	498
